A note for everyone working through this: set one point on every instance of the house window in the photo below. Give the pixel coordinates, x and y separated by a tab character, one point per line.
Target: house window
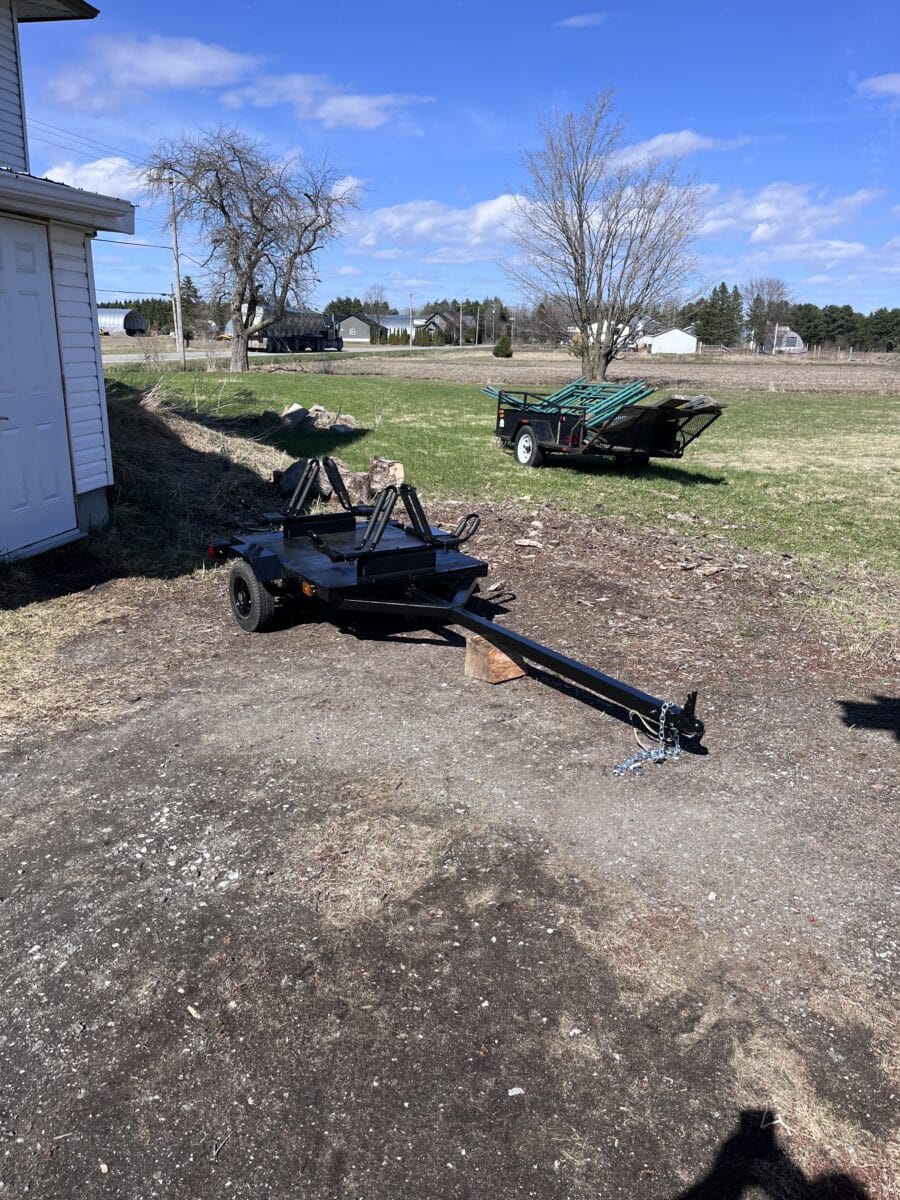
352	332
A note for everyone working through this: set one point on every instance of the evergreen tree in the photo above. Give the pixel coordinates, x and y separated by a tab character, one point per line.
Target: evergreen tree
737	316
758	320
343	306
503	348
806	319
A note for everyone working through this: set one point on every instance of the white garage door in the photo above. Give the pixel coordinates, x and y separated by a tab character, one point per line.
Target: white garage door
37	501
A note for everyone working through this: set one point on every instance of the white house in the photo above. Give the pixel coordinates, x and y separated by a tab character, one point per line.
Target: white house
671	341
55	461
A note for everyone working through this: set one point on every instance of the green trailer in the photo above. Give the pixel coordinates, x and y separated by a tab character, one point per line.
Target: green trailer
600	419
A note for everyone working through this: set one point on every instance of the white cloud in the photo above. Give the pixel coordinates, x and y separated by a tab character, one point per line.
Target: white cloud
318	98
117	68
786	213
583	20
827	253
113	176
434	232
350	272
675	145
348	187
886	86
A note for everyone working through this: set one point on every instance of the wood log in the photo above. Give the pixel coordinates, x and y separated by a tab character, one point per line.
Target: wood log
488	664
384	471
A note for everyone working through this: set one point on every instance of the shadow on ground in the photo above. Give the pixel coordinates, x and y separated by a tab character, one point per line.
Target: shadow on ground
663	471
171	494
266	427
881	712
751	1160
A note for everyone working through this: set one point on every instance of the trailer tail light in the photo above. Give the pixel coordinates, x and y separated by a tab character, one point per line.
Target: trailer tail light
212	552
307	588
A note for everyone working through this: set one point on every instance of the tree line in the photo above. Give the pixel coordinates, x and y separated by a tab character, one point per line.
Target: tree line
202	315
730	316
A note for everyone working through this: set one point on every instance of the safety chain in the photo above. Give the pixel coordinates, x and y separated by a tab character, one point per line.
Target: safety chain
660	751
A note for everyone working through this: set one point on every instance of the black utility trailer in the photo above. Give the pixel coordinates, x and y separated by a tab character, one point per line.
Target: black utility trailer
588	419
361	560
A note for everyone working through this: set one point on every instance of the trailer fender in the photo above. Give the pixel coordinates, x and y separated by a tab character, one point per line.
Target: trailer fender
265	564
542	429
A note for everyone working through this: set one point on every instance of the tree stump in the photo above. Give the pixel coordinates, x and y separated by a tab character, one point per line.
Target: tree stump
488	664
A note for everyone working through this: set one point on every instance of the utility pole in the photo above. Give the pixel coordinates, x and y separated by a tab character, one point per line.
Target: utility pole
410	321
179	318
461	343
512	325
493	324
477	320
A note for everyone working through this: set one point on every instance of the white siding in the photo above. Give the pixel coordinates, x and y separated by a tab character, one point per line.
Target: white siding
79	346
13	147
674	341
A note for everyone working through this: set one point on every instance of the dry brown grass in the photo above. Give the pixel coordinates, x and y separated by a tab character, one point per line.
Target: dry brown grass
364	857
175	478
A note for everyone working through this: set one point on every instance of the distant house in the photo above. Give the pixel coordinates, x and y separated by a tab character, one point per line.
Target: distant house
783	340
55	461
448	324
400	324
358	329
121	320
671	341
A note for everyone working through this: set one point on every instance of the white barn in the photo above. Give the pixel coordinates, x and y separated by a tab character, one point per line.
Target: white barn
671	341
55	463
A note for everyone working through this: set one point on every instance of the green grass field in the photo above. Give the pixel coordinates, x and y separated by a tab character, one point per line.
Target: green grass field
806	474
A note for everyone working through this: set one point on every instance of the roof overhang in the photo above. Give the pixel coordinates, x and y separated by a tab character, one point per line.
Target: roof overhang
54	10
43	198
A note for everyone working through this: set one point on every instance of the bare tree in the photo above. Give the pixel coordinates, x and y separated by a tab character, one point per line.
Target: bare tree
608	236
768	304
375	300
262	219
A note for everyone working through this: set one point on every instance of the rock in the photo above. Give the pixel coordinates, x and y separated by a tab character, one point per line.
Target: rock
384	471
288	479
340	427
294	415
529	542
488	664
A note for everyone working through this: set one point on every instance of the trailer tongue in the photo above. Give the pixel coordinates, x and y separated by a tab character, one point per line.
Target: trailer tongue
363	560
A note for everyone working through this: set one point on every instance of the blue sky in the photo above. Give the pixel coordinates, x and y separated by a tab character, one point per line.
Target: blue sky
789	115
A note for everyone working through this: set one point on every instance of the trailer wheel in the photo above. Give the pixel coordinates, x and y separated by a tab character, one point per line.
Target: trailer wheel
635	462
526	448
253	606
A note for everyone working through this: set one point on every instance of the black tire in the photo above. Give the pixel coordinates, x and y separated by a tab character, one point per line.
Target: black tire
253	606
526	450
635	463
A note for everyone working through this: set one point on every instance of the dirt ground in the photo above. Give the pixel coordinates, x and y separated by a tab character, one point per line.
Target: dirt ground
554	368
310	914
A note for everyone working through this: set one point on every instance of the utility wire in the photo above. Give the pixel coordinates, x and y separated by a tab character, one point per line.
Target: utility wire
45	127
123	242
